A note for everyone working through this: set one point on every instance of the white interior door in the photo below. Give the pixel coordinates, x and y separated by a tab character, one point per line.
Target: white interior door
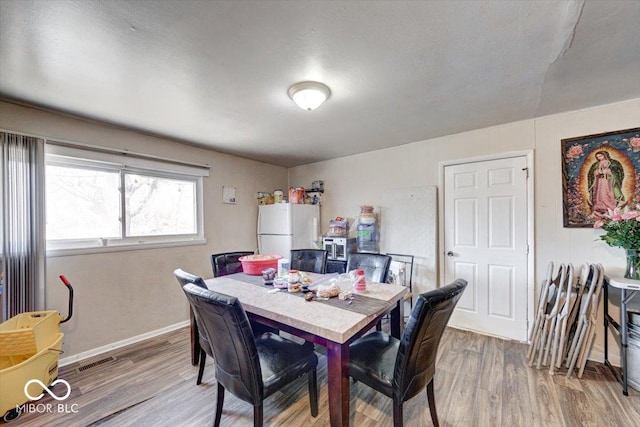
485	235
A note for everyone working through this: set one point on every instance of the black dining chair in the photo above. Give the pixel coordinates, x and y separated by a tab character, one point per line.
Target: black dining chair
227	263
402	368
250	368
375	266
311	260
199	343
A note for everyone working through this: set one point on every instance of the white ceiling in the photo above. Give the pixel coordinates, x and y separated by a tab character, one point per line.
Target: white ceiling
216	74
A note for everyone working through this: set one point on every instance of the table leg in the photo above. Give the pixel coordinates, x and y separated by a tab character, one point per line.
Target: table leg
397	320
623	340
606	321
338	383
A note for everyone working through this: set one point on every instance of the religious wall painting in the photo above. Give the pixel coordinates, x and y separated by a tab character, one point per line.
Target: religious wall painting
599	173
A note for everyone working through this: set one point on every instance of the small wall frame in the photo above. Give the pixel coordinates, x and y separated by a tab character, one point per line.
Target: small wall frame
228	195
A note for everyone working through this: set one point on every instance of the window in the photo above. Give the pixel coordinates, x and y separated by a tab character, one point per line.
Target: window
83	202
98	200
157	206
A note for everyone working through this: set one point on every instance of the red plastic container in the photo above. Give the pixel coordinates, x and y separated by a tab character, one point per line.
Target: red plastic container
254	264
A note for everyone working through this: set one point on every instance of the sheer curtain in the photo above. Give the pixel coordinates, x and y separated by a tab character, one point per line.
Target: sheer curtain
23	241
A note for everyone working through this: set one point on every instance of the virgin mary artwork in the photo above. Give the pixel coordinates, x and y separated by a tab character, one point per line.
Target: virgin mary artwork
599	173
605	179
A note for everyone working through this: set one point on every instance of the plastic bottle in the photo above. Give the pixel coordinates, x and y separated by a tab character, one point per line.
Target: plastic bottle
367	230
283	267
294	281
360	284
367	237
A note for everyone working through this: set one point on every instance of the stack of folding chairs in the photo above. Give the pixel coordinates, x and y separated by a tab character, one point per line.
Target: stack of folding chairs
566	318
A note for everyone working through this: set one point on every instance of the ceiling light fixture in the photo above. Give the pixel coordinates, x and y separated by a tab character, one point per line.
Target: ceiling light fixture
309	95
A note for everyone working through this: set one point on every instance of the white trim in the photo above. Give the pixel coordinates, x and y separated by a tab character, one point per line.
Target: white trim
124	247
119	344
531	241
498	156
122	152
531	282
61	141
124	159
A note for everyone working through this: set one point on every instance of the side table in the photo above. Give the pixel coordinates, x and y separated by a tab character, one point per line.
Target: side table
628	290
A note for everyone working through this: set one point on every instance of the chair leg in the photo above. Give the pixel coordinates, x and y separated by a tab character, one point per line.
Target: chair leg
313	392
379	326
219	403
431	397
257	415
397	414
203	360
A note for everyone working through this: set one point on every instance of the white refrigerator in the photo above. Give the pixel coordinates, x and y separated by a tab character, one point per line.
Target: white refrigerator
286	226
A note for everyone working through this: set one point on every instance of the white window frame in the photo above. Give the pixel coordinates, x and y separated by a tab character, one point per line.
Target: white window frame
64	153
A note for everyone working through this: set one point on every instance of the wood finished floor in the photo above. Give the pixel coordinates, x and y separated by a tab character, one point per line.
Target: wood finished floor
480	381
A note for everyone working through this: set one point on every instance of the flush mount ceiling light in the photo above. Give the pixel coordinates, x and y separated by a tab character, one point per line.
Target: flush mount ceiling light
309	95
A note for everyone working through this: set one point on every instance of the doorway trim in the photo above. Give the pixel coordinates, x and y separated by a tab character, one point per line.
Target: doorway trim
529	154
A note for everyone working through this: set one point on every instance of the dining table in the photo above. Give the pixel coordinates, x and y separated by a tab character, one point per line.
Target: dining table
333	323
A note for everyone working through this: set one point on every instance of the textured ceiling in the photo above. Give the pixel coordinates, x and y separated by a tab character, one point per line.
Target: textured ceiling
216	74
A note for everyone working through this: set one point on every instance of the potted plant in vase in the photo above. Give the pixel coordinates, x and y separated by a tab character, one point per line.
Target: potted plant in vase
622	227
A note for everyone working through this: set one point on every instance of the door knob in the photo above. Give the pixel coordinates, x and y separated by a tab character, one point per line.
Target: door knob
450	253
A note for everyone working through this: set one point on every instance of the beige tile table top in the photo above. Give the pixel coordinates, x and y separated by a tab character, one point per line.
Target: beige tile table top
323	320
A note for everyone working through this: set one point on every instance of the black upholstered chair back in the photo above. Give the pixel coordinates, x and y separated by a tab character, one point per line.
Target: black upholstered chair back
312	260
375	266
184	278
200	346
416	360
225	323
227	263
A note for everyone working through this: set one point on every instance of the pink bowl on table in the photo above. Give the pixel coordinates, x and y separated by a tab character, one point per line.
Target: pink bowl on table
254	264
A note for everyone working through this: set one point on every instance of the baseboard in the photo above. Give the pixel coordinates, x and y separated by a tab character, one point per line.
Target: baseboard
103	349
596	354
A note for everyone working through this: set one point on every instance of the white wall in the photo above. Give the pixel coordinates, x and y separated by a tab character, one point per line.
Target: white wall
124	294
119	295
364	178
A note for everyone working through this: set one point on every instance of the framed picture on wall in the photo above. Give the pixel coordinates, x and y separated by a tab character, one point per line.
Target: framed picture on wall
228	195
599	172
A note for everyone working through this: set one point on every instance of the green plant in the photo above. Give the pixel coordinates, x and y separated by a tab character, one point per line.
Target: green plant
622	227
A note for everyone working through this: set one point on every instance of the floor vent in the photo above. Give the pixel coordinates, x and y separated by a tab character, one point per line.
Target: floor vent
99	362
